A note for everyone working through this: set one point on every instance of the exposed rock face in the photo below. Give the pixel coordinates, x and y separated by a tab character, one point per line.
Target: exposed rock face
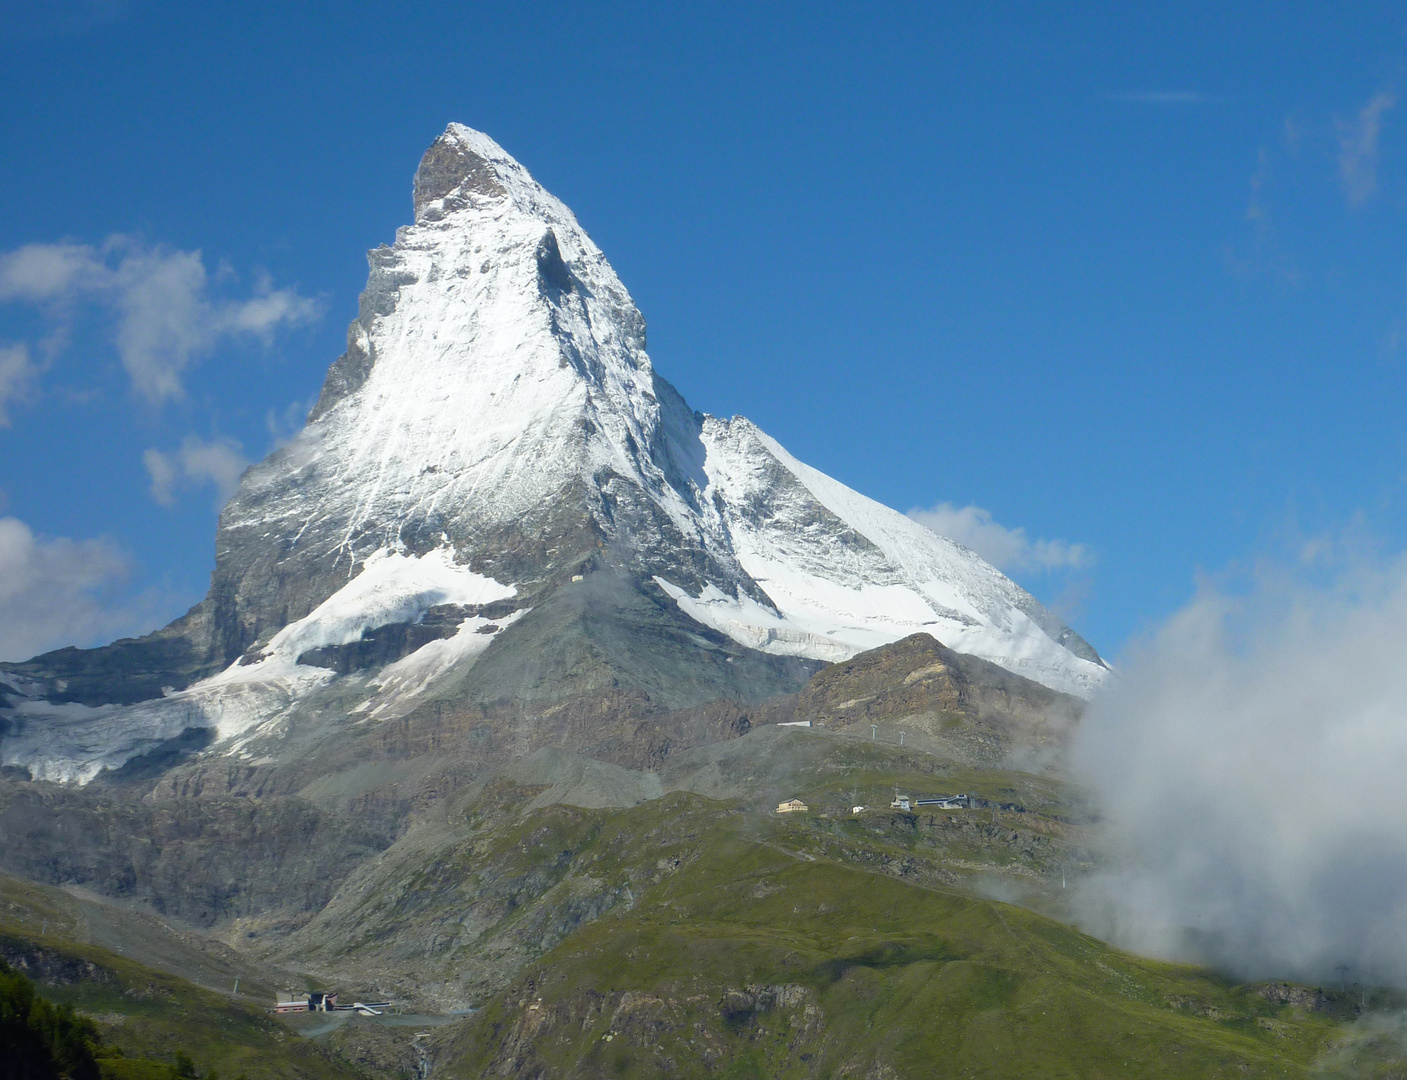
709	1029
202	861
451	168
125	672
50	966
498	505
977	710
374	1050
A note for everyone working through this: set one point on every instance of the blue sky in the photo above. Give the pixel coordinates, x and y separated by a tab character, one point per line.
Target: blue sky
1132	282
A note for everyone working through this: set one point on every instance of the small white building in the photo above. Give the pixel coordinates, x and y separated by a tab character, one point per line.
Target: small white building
857	809
791	806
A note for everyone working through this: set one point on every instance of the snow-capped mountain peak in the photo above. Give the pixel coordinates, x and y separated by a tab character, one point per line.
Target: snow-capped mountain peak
496	430
464	167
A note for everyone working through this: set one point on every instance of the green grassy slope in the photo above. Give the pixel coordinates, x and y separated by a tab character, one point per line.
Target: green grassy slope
757	958
146	1017
448	914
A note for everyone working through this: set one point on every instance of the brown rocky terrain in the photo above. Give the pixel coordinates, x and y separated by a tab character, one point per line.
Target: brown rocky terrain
973	710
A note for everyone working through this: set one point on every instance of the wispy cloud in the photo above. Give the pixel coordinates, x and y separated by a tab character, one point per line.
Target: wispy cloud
1262	253
284	425
197	463
160	299
1255	208
19	376
1248	765
1165	97
1006	549
1358	149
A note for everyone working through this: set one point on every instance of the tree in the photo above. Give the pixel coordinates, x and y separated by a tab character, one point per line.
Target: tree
38	1039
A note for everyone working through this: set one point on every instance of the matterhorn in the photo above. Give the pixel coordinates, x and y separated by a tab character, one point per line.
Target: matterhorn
501	526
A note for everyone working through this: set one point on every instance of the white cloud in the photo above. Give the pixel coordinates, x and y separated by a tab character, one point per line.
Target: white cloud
1248	763
1358	149
165	315
49	272
56	592
1006	549
164	473
164	318
219	462
284	426
18	376
268	310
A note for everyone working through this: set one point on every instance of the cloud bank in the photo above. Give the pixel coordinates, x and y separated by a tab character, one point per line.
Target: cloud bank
160	300
1006	549
1249	764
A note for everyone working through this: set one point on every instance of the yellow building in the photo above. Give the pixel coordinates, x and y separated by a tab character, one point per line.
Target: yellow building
791	806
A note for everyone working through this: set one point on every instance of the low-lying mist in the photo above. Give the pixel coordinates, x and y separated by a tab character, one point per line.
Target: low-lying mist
1250	765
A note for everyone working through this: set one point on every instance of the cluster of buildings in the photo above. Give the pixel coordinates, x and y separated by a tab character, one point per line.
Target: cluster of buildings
320	1001
901	802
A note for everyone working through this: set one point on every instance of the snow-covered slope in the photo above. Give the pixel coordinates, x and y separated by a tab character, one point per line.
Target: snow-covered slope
844	573
494	430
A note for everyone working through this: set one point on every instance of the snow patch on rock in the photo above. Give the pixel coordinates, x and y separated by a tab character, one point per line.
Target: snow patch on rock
246	702
392	587
400	682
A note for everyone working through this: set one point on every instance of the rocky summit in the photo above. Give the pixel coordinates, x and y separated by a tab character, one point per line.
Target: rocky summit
497	499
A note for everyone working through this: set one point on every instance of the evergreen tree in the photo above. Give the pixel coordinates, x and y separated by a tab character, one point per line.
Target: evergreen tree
38	1039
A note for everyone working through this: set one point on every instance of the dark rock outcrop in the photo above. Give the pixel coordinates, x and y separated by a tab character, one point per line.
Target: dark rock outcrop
201	861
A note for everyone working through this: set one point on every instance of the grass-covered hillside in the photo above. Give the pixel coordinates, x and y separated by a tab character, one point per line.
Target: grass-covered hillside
759	958
449	914
146	1024
702	934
